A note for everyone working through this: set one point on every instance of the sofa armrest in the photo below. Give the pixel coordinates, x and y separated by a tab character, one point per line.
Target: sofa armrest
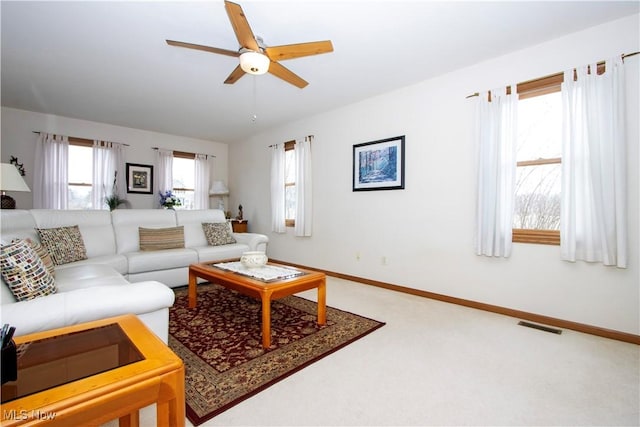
256	242
84	305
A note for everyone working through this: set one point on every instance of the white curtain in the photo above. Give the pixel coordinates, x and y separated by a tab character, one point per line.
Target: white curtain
496	134
163	173
50	178
277	189
202	171
593	225
108	162
304	187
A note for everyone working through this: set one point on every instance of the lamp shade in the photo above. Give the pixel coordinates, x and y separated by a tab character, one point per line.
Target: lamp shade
11	180
254	63
218	189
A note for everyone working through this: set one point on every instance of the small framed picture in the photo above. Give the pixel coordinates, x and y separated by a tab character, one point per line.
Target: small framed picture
379	165
139	178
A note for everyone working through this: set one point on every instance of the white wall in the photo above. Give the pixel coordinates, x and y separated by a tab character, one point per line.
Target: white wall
19	140
425	232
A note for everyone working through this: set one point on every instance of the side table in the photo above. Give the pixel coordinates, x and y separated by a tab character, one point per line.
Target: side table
239	225
92	373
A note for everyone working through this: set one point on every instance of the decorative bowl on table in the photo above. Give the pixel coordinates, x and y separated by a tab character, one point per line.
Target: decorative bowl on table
253	259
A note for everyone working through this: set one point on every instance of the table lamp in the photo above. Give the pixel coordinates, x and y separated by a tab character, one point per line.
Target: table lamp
11	180
219	189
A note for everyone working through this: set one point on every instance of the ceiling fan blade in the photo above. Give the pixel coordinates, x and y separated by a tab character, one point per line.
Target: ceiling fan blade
287	75
235	75
204	48
290	51
241	26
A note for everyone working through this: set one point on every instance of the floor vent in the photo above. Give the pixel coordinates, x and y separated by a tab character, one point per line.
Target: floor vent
540	327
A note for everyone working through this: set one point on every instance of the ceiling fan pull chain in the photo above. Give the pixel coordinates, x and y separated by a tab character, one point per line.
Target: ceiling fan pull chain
254	117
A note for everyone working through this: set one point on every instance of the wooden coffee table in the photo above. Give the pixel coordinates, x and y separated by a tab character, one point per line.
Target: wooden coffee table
264	291
91	373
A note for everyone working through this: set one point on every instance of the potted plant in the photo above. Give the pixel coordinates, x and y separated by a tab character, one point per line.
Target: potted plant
113	200
169	200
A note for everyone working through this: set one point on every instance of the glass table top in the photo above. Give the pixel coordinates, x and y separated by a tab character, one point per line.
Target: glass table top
54	361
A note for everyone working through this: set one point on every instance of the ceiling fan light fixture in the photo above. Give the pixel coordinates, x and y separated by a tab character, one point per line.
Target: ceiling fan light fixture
255	56
254	63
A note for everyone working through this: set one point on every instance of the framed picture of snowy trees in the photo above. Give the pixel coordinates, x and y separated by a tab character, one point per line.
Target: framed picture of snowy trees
379	165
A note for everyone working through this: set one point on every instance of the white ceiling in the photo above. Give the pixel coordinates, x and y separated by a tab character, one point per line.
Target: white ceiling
108	61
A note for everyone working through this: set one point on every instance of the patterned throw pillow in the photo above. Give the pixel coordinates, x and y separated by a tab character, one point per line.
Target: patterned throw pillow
24	272
217	233
42	253
64	244
155	239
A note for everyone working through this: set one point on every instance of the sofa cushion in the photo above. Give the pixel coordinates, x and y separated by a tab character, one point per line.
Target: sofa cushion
64	244
140	262
222	252
192	221
118	262
6	296
127	221
87	276
156	239
217	233
88	304
95	227
17	224
24	272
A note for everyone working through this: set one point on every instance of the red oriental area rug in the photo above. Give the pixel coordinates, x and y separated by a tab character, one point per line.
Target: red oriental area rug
220	344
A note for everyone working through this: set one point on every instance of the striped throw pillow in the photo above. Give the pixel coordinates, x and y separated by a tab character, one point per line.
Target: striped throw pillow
155	239
24	272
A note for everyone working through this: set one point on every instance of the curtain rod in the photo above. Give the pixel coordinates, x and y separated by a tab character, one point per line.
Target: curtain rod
626	55
85	140
182	152
293	140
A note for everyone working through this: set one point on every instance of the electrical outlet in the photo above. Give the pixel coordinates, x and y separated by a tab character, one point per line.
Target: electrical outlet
358	256
384	260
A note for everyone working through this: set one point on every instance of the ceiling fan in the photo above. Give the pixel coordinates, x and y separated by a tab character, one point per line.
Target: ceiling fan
257	58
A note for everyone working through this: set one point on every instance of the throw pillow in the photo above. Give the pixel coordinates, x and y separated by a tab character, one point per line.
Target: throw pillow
217	233
24	272
42	253
155	239
64	244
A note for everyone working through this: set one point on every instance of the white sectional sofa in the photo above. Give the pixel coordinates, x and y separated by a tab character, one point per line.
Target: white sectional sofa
117	277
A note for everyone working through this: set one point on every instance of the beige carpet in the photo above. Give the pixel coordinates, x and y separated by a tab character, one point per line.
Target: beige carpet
438	364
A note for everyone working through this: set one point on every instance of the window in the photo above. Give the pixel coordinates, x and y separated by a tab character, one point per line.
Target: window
290	203
184	179
538	172
80	175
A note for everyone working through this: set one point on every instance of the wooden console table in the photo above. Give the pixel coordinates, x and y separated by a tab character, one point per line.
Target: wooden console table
120	366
